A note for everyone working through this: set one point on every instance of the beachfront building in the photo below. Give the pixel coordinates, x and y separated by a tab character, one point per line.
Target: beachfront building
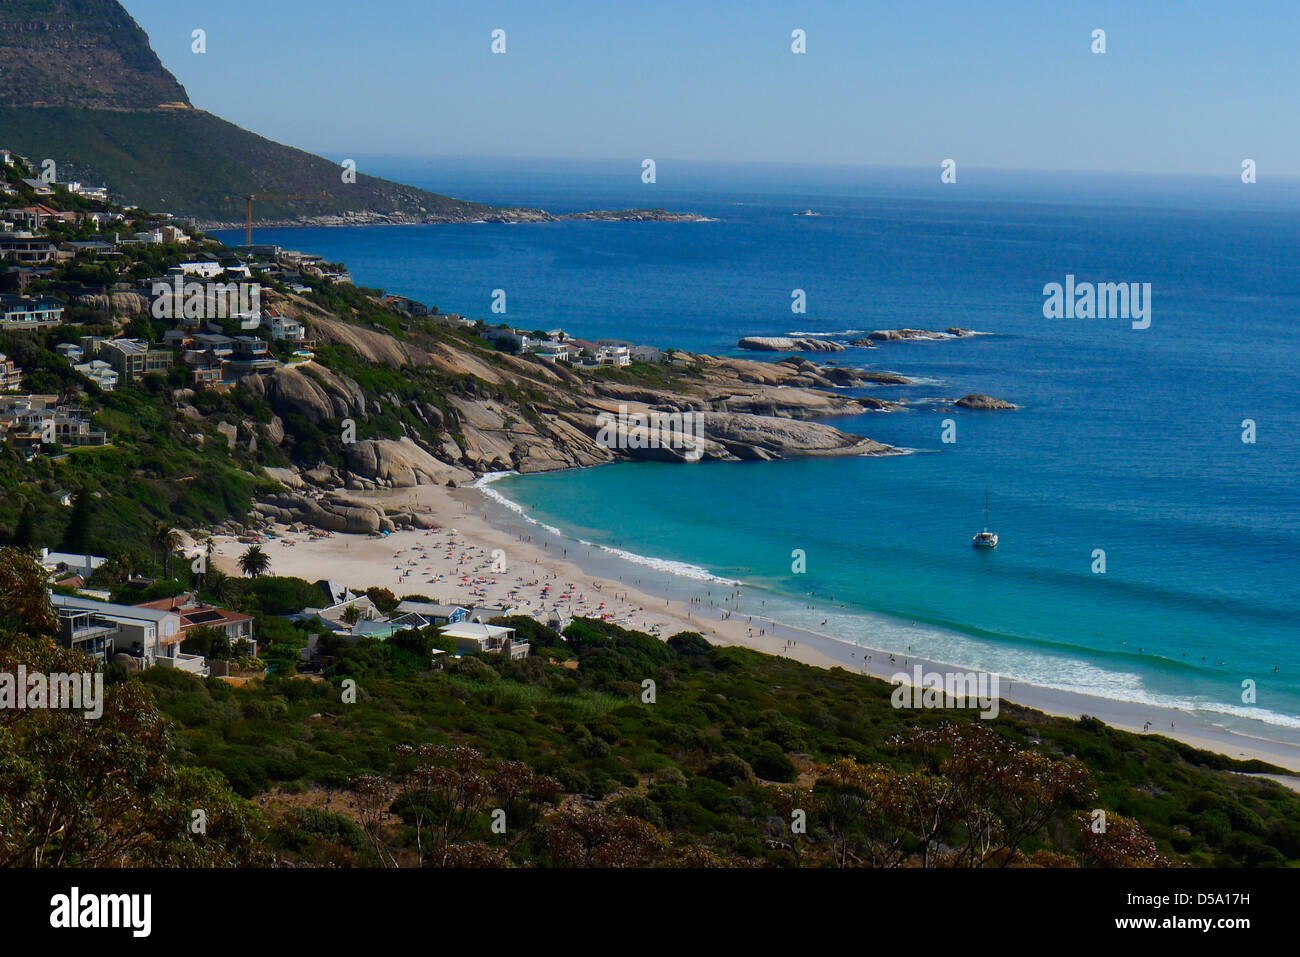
139	637
335	617
510	340
555	351
421	614
61	565
195	613
472	637
29	312
611	353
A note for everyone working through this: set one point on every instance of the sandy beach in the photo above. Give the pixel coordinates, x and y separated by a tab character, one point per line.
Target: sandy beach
482	554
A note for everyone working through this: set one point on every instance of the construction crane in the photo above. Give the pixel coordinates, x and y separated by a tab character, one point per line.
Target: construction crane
248	207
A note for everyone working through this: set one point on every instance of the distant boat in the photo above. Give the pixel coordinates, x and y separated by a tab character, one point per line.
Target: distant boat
985	539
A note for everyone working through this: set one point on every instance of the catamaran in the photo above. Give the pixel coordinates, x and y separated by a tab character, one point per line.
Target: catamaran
985	539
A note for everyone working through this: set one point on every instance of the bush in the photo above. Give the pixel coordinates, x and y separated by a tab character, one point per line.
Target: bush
730	769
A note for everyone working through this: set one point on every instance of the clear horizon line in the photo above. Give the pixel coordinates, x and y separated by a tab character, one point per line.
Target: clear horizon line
1234	174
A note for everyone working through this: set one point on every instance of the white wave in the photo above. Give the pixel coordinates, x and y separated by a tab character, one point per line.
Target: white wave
484	485
681	569
838	332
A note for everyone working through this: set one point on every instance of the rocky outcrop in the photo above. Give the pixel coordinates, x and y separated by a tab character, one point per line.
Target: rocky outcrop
923	335
400	464
327	512
659	215
788	344
763	437
316	394
977	400
118	303
823	377
645	433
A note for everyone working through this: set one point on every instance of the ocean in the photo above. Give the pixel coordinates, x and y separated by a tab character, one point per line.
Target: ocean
1128	441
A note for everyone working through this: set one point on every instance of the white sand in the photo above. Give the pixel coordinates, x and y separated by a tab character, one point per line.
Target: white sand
469	561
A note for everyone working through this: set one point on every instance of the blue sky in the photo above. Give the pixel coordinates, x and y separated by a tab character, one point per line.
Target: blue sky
1184	87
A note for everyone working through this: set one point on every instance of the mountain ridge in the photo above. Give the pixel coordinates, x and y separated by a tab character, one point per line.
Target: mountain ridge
80	84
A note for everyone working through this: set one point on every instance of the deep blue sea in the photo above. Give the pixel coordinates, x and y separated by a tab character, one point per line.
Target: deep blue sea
1129	441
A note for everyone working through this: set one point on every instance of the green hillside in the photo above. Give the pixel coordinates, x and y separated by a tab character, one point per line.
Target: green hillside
186	161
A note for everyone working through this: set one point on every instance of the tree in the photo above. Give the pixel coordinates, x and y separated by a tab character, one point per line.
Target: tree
25	533
220	586
165	540
102	793
76	535
254	562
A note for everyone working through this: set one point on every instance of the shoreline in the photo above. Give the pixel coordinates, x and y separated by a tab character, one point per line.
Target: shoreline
591	580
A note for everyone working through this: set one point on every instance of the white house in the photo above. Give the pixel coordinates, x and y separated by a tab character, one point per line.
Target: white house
99	372
291	330
66	565
208	269
138	637
473	636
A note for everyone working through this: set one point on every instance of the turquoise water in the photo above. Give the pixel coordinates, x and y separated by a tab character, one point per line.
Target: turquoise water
1128	440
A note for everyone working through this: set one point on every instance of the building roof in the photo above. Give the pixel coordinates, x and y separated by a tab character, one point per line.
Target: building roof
472	629
429	608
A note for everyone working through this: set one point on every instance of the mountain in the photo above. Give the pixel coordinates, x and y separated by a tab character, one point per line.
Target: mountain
80	84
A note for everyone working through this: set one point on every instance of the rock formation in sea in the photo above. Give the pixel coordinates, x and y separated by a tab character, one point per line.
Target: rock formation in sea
788	344
977	400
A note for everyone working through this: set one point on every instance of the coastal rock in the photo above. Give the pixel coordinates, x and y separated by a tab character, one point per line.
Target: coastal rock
319	395
977	400
118	303
401	463
335	515
752	436
788	344
923	335
289	478
659	215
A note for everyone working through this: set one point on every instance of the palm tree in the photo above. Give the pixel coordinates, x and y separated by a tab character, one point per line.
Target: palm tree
254	562
220	586
167	541
203	576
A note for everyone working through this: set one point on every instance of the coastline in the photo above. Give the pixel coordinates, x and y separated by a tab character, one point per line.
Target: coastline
657	597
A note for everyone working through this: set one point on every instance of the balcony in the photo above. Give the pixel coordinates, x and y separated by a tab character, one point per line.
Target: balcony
194	664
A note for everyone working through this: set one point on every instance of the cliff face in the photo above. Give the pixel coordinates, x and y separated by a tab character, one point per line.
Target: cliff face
81	53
